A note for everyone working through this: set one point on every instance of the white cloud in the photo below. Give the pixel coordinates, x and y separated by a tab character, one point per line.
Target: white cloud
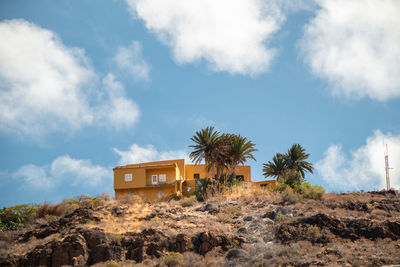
138	154
365	168
130	59
355	46
64	170
231	36
46	86
117	109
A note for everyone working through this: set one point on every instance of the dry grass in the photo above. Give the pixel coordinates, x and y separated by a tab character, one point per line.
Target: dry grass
48	210
130	222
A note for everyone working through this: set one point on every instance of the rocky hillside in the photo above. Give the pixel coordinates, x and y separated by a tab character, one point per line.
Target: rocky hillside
254	229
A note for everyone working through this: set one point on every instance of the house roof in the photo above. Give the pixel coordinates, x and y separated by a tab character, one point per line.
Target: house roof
155	166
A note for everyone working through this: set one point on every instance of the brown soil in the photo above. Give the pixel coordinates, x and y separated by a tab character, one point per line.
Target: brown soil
356	229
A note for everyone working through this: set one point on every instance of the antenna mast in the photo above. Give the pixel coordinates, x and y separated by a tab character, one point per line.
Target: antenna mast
387	168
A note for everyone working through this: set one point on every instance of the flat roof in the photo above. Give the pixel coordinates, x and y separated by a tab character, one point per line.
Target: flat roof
135	166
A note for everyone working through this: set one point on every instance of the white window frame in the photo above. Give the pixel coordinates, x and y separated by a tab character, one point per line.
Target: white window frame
154	181
162	177
128	177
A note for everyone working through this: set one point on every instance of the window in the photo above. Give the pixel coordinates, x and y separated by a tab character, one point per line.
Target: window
154	179
197	176
239	178
162	178
128	177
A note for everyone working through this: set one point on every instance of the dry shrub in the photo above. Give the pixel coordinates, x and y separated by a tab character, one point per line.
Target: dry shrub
173	259
69	205
233	210
314	192
105	196
188	201
288	196
130	199
48	210
115	238
192	259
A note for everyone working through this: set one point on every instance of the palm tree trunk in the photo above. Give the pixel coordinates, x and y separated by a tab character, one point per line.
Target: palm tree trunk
232	170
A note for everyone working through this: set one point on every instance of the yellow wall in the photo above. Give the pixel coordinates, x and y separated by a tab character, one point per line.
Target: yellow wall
191	169
175	170
265	183
141	173
138	178
169	172
146	194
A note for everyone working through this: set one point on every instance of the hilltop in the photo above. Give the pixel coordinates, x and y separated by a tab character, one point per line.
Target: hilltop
252	228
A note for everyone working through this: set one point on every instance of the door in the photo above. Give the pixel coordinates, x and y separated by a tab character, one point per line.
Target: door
154	179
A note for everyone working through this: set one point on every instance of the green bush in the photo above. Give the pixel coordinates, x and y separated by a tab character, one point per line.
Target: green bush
18	216
201	191
70	205
112	263
314	192
173	259
93	202
313	233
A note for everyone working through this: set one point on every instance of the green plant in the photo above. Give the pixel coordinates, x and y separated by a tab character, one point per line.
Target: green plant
314	192
279	218
16	216
232	242
201	191
93	202
155	219
313	233
173	259
70	205
112	263
289	168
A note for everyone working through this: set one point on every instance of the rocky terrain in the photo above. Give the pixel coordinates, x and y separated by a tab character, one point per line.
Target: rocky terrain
254	229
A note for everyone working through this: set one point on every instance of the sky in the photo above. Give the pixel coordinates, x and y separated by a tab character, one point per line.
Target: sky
89	85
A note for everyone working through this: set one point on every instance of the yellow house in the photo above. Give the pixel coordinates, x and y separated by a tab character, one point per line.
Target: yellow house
265	183
152	180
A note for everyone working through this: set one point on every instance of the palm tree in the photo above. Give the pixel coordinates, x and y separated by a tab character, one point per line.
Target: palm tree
240	150
290	163
276	168
207	147
296	160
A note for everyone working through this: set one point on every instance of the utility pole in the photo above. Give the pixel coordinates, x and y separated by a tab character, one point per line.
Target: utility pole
387	168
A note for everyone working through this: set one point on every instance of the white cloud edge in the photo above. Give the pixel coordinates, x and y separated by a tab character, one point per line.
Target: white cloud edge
363	168
352	45
130	60
59	95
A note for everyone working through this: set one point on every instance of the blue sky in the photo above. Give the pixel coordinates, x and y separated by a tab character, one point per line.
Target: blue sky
86	86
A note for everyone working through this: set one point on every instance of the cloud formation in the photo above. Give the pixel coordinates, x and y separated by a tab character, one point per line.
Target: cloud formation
116	110
65	171
355	46
138	154
130	59
232	36
46	86
364	168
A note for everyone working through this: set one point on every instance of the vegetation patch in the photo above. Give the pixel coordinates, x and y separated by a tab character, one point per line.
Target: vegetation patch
17	216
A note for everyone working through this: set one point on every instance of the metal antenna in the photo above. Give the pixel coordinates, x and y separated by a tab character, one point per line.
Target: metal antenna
387	168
